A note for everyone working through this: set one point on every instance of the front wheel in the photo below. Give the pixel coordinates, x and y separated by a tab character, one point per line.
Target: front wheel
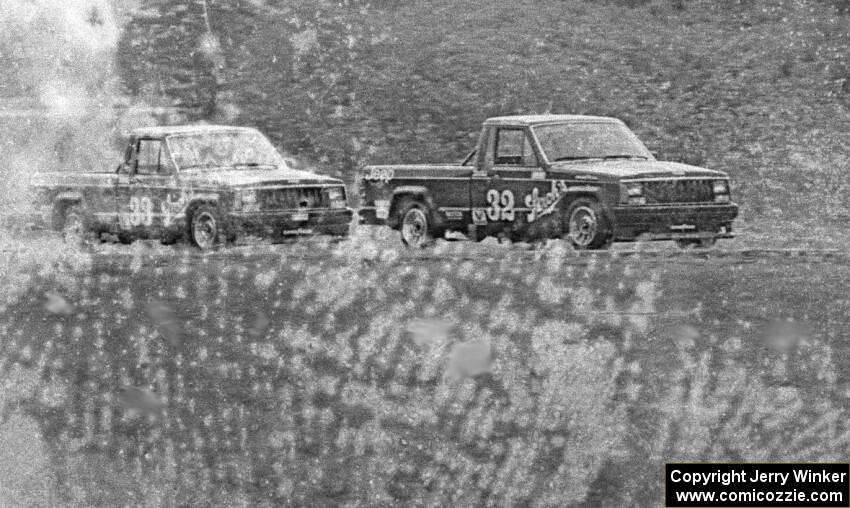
587	226
415	223
205	227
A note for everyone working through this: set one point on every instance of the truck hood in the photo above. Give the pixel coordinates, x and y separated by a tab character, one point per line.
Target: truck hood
257	177
634	169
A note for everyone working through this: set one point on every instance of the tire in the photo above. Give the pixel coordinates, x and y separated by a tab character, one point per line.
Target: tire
415	224
75	229
587	226
696	243
205	227
478	236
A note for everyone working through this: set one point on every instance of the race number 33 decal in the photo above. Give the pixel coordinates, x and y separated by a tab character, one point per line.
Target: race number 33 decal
140	212
501	205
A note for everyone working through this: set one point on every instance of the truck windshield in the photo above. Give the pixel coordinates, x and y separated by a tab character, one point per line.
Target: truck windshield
223	150
589	140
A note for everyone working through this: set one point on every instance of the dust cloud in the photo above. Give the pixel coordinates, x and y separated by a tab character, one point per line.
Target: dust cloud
60	103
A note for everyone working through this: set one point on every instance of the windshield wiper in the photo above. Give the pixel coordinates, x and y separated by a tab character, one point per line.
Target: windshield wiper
197	166
607	157
253	165
575	158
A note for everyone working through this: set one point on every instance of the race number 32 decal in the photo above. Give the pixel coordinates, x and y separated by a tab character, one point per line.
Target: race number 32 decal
501	205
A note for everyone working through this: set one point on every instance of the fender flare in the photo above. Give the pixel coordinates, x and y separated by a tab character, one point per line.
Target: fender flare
68	197
419	191
416	190
208	199
196	200
594	192
61	201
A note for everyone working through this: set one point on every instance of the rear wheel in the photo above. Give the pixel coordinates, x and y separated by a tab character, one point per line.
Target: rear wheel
696	243
205	227
587	226
415	223
74	228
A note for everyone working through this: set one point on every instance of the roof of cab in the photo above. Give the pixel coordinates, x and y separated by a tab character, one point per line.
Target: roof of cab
168	130
543	119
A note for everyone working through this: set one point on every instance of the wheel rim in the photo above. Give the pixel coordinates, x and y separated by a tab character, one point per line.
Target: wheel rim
204	230
583	226
73	230
414	227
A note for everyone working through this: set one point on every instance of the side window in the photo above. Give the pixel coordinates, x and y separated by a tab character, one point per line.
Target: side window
513	148
152	158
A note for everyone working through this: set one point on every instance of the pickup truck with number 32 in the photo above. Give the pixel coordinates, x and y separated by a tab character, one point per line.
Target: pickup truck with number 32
586	179
206	183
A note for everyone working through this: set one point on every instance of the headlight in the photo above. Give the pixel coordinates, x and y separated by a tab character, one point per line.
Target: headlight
720	187
632	193
634	189
248	197
336	196
246	200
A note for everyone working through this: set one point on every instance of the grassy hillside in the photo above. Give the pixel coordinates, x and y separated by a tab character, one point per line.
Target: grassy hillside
757	88
276	376
362	375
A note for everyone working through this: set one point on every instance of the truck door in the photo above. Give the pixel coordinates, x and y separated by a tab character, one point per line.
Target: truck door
507	174
143	186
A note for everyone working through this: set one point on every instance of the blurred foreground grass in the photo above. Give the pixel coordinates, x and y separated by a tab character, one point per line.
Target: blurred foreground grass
271	376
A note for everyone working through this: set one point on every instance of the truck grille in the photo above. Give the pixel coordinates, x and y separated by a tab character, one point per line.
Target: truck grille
678	191
293	198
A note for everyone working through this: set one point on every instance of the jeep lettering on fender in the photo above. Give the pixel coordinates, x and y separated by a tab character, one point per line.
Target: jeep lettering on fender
586	179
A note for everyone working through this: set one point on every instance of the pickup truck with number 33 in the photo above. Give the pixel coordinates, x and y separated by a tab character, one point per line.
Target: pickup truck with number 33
587	179
209	184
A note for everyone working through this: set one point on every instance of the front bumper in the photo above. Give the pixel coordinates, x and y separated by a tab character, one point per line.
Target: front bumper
670	222
369	215
291	223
